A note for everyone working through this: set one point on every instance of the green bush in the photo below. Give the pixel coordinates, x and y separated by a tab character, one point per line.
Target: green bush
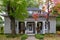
24	36
39	36
1	29
58	28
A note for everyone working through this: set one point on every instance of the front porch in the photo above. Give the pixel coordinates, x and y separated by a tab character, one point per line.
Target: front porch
33	27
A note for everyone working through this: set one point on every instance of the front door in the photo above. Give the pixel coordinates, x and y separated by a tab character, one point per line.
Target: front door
30	28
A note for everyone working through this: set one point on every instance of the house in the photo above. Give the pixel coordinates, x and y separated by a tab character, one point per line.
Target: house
30	25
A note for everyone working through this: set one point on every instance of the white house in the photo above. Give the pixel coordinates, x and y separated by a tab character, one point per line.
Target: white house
30	25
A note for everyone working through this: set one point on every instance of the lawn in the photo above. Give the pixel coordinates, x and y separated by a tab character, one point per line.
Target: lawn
6	37
51	37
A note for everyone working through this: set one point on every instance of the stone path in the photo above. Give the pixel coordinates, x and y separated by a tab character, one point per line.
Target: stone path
31	38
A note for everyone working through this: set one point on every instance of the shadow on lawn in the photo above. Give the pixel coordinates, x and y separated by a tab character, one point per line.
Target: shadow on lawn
12	36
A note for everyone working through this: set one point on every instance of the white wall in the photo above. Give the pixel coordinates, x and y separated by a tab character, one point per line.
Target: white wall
7	28
52	21
53	25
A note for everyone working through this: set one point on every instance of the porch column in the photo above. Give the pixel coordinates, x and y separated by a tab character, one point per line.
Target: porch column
25	26
43	29
17	28
35	27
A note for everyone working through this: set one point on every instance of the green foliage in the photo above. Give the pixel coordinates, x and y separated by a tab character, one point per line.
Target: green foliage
58	28
24	36
1	29
56	9
12	36
32	3
58	23
39	36
1	20
17	8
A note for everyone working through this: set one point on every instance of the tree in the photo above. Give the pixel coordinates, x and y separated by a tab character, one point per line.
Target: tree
16	9
56	9
32	3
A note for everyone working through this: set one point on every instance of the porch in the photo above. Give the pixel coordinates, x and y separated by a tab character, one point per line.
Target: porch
33	27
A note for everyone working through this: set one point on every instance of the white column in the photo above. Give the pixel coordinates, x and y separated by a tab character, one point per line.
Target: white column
17	28
25	26
35	27
43	29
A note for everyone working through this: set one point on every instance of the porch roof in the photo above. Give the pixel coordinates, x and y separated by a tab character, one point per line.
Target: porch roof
33	9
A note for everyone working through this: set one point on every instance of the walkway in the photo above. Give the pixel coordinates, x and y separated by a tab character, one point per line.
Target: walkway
31	38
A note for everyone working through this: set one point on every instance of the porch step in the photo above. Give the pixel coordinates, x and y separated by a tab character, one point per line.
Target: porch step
30	34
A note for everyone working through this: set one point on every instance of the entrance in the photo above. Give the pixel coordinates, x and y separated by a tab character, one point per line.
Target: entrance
21	27
30	28
39	27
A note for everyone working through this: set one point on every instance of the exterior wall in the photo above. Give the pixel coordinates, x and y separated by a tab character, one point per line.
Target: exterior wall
53	25
7	28
17	26
38	20
52	21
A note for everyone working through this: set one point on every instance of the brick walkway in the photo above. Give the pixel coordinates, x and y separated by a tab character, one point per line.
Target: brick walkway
31	38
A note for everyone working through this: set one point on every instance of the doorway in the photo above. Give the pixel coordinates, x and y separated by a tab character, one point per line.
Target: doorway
21	27
30	28
39	27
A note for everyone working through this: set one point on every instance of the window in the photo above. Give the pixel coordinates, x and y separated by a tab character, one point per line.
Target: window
46	25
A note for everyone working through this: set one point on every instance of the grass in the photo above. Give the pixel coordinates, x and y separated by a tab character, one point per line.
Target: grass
12	37
18	37
9	37
52	37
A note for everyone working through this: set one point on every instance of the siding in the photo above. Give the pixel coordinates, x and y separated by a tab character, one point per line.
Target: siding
53	25
7	25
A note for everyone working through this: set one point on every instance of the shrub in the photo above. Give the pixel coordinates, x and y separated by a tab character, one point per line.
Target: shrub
39	36
58	28
24	36
1	30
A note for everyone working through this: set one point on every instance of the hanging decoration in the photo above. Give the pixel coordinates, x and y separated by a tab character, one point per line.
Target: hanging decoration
35	16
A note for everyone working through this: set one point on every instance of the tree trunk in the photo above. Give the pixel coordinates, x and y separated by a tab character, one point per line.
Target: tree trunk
9	8
13	30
